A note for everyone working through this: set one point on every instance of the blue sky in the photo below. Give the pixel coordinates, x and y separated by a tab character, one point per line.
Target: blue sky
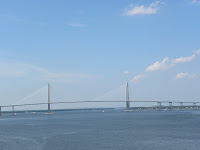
87	48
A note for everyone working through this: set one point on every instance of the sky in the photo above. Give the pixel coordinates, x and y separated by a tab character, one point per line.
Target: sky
85	49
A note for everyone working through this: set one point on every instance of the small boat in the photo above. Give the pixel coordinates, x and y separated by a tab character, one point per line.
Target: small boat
49	113
128	110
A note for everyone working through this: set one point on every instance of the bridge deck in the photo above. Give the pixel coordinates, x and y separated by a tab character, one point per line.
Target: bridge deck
62	102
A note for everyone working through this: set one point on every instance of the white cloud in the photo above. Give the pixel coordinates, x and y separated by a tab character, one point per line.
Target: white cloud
167	63
76	25
142	10
11	70
197	51
11	18
137	78
163	65
184	75
195	1
19	70
183	59
181	75
126	72
12	73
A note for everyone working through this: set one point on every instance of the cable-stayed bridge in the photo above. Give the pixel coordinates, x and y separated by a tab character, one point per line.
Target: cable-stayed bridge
42	100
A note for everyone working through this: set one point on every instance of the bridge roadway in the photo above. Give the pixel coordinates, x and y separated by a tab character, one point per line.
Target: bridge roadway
62	102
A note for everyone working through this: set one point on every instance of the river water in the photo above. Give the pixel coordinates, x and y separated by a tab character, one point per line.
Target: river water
98	130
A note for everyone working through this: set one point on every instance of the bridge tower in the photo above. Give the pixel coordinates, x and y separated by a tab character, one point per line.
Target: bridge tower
127	97
49	109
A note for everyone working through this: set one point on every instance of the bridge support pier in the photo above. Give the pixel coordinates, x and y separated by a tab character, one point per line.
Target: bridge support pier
159	105
194	105
181	105
127	100
49	107
170	105
13	110
127	97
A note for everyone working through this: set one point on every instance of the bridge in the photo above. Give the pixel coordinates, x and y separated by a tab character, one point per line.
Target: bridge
126	100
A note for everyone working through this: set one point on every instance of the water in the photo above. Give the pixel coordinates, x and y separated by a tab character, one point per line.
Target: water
97	130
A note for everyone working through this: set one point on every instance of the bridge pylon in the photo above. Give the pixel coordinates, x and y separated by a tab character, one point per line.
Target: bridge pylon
127	97
49	103
49	109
